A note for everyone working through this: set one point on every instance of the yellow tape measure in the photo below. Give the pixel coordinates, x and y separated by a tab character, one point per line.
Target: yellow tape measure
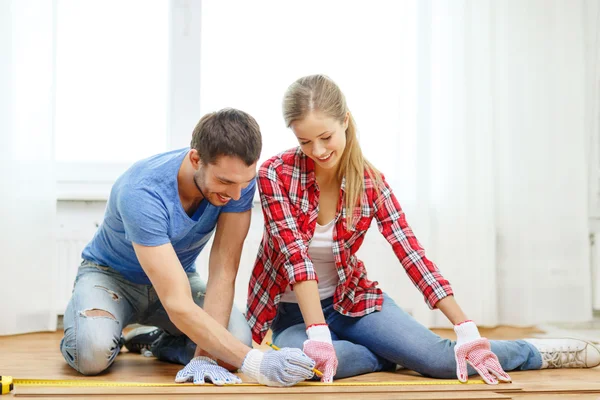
7	383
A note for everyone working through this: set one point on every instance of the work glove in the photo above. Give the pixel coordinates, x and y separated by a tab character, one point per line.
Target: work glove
320	348
201	368
284	367
472	348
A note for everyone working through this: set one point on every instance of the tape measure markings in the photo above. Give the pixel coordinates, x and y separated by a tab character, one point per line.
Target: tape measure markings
7	383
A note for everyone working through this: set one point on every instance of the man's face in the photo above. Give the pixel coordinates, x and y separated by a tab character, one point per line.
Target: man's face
224	179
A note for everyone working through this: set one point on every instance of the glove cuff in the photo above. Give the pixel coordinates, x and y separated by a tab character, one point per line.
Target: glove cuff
319	333
251	364
466	332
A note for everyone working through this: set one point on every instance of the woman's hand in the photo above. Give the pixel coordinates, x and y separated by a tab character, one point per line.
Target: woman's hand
320	348
472	348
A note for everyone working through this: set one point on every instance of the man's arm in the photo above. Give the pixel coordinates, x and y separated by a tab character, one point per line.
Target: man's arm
223	265
172	286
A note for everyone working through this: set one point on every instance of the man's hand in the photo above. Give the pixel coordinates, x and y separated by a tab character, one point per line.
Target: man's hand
201	369
285	367
228	367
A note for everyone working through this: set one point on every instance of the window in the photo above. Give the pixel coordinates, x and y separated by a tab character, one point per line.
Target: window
111	85
117	81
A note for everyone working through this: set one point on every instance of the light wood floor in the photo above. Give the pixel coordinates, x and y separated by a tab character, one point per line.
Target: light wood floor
37	356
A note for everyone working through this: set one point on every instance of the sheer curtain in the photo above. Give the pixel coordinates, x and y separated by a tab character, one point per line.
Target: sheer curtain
504	185
592	34
28	201
541	177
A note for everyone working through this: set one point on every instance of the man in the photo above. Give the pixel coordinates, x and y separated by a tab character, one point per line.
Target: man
139	267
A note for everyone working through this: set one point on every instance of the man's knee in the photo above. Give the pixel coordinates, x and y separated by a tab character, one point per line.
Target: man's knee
93	346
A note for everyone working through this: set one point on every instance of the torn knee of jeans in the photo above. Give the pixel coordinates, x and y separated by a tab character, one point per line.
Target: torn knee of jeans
200	294
95	312
114	296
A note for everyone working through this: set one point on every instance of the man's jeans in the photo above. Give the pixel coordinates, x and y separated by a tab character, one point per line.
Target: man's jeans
381	340
90	344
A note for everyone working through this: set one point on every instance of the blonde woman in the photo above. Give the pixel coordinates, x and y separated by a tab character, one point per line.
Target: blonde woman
307	284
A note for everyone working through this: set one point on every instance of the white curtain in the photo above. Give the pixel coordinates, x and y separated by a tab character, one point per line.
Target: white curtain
28	201
541	175
592	120
503	188
500	199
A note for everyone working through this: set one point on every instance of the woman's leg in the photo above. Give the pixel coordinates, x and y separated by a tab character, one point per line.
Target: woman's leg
396	336
353	359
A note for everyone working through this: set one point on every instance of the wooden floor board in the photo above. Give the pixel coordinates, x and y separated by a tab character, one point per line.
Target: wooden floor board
37	356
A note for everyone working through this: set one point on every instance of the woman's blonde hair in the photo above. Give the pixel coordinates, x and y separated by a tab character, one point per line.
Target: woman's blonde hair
318	93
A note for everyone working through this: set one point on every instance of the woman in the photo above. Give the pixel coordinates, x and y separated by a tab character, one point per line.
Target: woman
318	202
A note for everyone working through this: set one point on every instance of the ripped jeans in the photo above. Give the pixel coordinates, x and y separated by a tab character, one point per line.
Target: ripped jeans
91	343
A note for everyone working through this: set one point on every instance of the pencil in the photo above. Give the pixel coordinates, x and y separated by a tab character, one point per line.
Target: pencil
316	371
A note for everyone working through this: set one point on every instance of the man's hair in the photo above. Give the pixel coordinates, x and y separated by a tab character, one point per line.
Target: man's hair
227	132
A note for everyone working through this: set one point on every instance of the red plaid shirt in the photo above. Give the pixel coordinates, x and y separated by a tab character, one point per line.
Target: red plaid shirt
290	202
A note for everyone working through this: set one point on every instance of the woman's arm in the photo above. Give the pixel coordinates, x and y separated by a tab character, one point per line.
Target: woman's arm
319	345
281	226
451	310
307	294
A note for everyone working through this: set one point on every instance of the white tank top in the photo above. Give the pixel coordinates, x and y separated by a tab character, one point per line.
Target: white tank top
320	252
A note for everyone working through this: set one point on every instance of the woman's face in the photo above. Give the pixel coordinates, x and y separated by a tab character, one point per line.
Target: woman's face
321	138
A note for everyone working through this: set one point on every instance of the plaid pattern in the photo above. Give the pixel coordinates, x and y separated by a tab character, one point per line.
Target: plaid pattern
290	203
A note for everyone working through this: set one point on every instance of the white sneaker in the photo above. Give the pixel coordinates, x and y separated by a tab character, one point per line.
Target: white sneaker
567	353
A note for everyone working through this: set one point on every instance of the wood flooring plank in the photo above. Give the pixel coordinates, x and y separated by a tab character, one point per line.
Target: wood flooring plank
38	356
337	396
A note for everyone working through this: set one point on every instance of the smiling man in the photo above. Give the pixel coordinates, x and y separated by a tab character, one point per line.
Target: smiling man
140	265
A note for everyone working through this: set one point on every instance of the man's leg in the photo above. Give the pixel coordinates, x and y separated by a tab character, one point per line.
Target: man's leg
172	345
94	319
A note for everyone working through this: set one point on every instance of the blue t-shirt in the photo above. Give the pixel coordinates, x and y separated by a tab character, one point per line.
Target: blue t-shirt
144	208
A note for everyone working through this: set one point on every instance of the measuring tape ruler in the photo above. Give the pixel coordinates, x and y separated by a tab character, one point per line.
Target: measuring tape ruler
7	383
